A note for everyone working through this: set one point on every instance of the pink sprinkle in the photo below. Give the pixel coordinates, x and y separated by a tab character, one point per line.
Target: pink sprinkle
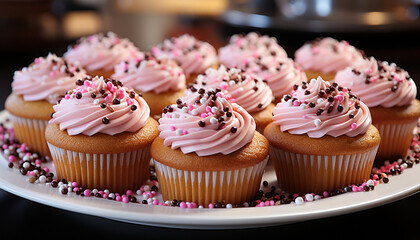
87	83
184	132
353	126
315	50
125	200
37	60
12	158
325	194
373	79
183	205
224	86
203	115
208	109
129	192
22	147
87	192
369	71
354	188
74	184
173	128
360	188
211	205
155	202
105	196
38	162
67	97
190	107
118	198
120	94
47	170
304	116
129	101
339	98
296	103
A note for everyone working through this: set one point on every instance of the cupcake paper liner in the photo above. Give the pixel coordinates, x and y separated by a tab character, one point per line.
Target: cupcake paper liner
302	173
204	187
116	172
31	132
395	139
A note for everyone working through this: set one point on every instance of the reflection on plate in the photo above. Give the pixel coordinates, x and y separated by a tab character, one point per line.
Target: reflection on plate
399	186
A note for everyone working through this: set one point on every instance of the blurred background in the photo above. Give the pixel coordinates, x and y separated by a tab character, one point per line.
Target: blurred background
386	29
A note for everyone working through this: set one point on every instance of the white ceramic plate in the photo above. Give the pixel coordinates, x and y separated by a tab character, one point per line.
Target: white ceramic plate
399	187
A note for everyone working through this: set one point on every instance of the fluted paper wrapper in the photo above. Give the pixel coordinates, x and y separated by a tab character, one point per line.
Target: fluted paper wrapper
302	173
32	133
204	187
395	139
116	172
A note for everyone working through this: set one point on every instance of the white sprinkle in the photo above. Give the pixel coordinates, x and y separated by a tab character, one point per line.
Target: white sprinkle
201	206
313	80
150	201
302	106
42	179
317	122
213	120
111	195
370	183
299	201
203	100
194	112
289	102
26	165
146	188
245	204
178	132
145	196
96	101
309	197
319	100
229	205
231	83
106	191
317	197
214	109
185	109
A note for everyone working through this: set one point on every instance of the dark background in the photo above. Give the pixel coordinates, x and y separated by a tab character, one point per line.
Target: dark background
34	28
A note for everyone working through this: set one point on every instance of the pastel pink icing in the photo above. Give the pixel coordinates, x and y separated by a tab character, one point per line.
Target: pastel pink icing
193	55
320	108
248	91
100	106
281	74
206	123
378	83
243	50
327	55
102	51
47	78
150	75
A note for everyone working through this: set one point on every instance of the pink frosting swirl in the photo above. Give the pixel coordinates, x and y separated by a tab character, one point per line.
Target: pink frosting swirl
47	78
243	50
206	123
248	91
150	74
378	83
281	74
192	55
327	55
102	51
100	106
320	108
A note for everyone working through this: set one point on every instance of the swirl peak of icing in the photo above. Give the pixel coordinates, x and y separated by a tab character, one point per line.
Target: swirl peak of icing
100	105
206	123
102	51
321	108
47	78
327	55
250	92
193	55
378	83
150	74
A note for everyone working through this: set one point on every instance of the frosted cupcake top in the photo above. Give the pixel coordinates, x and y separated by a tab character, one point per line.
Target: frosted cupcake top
280	74
47	78
321	108
243	50
378	83
193	55
248	91
102	51
327	55
100	105
206	123
149	74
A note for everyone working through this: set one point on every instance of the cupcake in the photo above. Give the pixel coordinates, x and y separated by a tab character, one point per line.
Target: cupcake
390	93
194	56
250	92
209	151
160	82
99	53
262	56
243	50
321	139
35	89
326	56
100	136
